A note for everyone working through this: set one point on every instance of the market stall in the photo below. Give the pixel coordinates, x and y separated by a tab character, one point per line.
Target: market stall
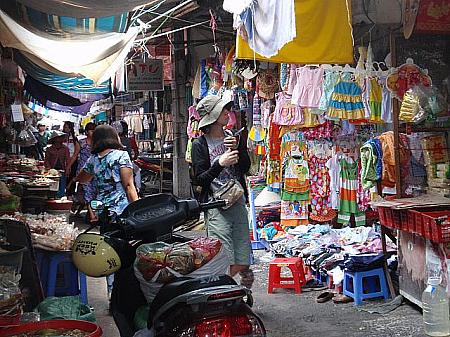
329	140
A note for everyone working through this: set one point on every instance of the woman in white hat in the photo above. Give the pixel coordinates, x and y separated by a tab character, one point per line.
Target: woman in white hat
216	159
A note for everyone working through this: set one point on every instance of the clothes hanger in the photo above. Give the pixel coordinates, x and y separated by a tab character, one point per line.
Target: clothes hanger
327	66
348	69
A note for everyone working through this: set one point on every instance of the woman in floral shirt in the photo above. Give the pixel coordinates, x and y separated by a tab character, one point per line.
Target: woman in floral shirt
112	170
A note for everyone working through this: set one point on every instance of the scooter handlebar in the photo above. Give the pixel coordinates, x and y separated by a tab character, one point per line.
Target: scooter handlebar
212	204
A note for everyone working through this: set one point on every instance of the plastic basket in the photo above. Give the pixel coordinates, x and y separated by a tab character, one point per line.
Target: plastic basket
383	213
390	218
418	223
404	222
411	222
8	320
92	329
438	225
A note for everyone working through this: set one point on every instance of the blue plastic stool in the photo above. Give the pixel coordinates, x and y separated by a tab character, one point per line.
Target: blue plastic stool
362	285
74	280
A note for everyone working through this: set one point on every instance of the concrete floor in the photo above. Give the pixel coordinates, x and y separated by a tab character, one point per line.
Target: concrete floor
286	314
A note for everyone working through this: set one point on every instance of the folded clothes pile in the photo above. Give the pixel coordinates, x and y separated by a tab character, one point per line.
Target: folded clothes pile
328	251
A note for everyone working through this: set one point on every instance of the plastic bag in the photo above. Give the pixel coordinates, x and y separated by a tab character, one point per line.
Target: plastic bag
410	106
67	307
150	258
181	259
218	265
26	138
204	249
145	333
422	103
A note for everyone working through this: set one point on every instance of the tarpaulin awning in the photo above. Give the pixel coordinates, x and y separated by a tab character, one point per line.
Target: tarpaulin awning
63	83
95	57
54	24
324	35
44	93
86	8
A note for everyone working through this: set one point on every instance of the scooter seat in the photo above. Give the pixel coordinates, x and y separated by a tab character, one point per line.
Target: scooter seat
151	160
180	287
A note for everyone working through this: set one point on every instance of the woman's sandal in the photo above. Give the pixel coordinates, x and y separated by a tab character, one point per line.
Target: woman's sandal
341	298
325	297
313	285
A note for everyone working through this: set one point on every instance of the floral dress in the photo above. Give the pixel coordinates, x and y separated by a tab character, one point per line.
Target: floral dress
87	191
320	192
106	172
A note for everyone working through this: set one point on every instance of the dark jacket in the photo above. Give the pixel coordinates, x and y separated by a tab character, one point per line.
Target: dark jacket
204	173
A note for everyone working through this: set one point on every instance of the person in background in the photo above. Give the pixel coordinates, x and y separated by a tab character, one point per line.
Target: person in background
56	157
128	142
131	147
216	159
85	192
111	169
42	137
74	148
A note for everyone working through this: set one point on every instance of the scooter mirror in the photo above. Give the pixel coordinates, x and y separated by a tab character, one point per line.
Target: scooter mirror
96	205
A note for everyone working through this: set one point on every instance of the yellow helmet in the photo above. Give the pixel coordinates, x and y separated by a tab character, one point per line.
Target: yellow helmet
96	255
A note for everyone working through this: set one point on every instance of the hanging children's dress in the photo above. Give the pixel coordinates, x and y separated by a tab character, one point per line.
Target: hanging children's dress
386	102
285	112
192	127
295	193
320	193
346	101
308	88
330	80
348	194
273	179
375	100
257	132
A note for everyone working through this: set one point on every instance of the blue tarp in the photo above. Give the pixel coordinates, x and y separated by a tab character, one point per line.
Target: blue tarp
63	83
54	24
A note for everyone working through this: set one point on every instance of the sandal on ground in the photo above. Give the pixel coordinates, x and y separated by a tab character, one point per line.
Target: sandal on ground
342	299
313	283
325	297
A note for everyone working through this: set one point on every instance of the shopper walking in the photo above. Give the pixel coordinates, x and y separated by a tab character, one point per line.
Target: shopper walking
111	169
85	192
74	148
42	137
216	159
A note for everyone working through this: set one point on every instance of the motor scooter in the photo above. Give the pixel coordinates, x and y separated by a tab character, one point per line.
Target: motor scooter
151	174
188	307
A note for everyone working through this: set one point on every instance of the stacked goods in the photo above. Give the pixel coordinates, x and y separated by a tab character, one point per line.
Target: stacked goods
49	232
159	263
11	299
169	261
24	165
8	201
437	162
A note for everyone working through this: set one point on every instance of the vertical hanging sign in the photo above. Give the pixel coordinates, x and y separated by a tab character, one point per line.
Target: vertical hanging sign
146	76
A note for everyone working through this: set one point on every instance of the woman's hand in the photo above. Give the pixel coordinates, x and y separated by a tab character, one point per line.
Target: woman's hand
230	142
68	170
229	158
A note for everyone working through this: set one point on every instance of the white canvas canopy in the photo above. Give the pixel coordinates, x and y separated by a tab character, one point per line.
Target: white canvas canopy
95	57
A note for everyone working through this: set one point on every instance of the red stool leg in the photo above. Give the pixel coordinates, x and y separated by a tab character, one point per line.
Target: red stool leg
297	285
301	271
272	277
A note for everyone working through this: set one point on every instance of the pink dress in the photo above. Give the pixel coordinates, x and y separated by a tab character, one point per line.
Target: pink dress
308	88
285	112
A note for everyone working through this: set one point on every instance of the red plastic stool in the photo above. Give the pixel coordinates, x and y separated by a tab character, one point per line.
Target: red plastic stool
295	264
